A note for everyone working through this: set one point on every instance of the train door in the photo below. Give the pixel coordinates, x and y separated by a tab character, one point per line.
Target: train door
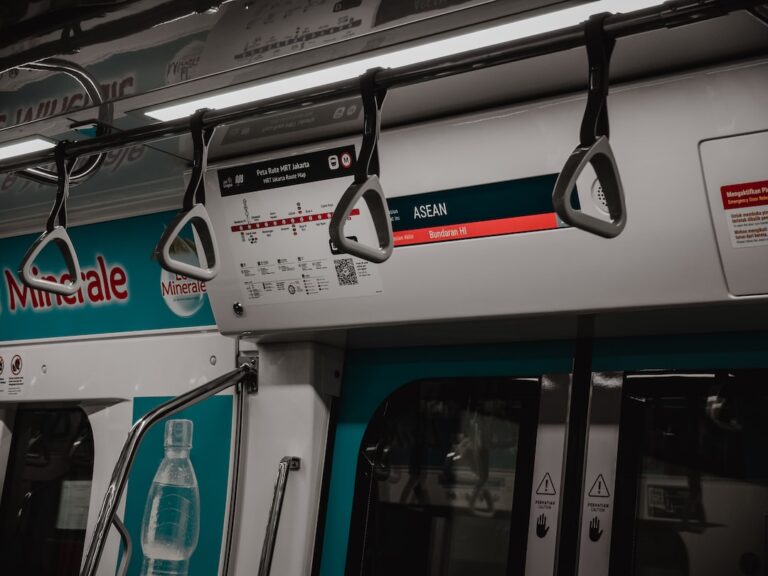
448	461
675	475
66	408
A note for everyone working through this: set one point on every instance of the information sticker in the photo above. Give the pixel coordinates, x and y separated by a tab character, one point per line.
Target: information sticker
279	232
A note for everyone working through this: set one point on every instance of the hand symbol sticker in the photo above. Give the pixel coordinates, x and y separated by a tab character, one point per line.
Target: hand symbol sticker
594	529
541	526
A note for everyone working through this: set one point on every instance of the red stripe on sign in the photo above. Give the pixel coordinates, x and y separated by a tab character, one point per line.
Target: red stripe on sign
745	195
290	221
483	229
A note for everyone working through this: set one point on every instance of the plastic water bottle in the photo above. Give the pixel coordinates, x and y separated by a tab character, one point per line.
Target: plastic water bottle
171	524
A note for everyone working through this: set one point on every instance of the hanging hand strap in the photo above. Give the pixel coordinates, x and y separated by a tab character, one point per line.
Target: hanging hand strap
594	148
366	183
194	213
57	235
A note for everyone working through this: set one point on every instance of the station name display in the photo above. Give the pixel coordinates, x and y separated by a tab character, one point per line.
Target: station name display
483	210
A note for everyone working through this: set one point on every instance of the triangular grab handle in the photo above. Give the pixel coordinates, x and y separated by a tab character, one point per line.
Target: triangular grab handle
600	156
372	193
201	223
60	238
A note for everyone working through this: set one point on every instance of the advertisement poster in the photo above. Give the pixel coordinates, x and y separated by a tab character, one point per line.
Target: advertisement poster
177	490
123	288
252	32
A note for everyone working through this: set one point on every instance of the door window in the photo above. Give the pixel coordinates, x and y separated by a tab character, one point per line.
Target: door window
444	479
44	508
693	470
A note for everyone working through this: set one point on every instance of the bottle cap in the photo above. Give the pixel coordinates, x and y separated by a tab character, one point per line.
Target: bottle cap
178	434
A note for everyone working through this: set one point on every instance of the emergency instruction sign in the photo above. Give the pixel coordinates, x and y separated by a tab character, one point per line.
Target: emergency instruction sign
736	178
746	207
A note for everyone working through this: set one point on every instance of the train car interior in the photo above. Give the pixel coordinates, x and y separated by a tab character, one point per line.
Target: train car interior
377	287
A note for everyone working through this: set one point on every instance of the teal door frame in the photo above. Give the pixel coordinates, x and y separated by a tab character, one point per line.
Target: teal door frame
370	376
694	352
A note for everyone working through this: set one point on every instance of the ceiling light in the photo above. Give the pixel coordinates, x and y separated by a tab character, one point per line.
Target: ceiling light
25	146
404	57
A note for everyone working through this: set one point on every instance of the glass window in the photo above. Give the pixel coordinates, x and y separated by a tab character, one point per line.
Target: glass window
695	449
44	508
443	481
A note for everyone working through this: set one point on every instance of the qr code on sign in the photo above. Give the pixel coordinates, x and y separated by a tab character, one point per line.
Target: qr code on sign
345	272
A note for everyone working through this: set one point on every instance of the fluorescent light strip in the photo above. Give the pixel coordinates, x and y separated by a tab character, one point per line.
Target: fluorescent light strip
26	146
404	57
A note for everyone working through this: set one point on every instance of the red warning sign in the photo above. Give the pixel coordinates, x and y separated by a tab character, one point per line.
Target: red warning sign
745	195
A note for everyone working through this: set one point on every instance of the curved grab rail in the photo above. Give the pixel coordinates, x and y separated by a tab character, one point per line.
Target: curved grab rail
366	184
127	546
94	91
55	234
193	213
287	464
128	453
594	148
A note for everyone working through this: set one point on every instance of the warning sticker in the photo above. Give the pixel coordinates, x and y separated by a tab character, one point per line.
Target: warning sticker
15	380
546	486
746	209
279	232
16	365
599	488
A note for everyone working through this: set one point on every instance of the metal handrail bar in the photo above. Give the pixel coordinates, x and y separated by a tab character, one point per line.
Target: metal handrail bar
670	14
127	545
127	455
287	464
233	516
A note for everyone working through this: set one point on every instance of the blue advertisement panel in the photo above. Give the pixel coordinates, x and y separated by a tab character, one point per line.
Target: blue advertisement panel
177	490
123	288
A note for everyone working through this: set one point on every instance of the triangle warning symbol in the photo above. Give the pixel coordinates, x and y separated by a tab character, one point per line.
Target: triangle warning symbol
546	486
599	488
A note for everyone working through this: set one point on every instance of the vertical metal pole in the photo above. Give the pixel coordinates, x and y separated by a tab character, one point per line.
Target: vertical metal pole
575	453
233	516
